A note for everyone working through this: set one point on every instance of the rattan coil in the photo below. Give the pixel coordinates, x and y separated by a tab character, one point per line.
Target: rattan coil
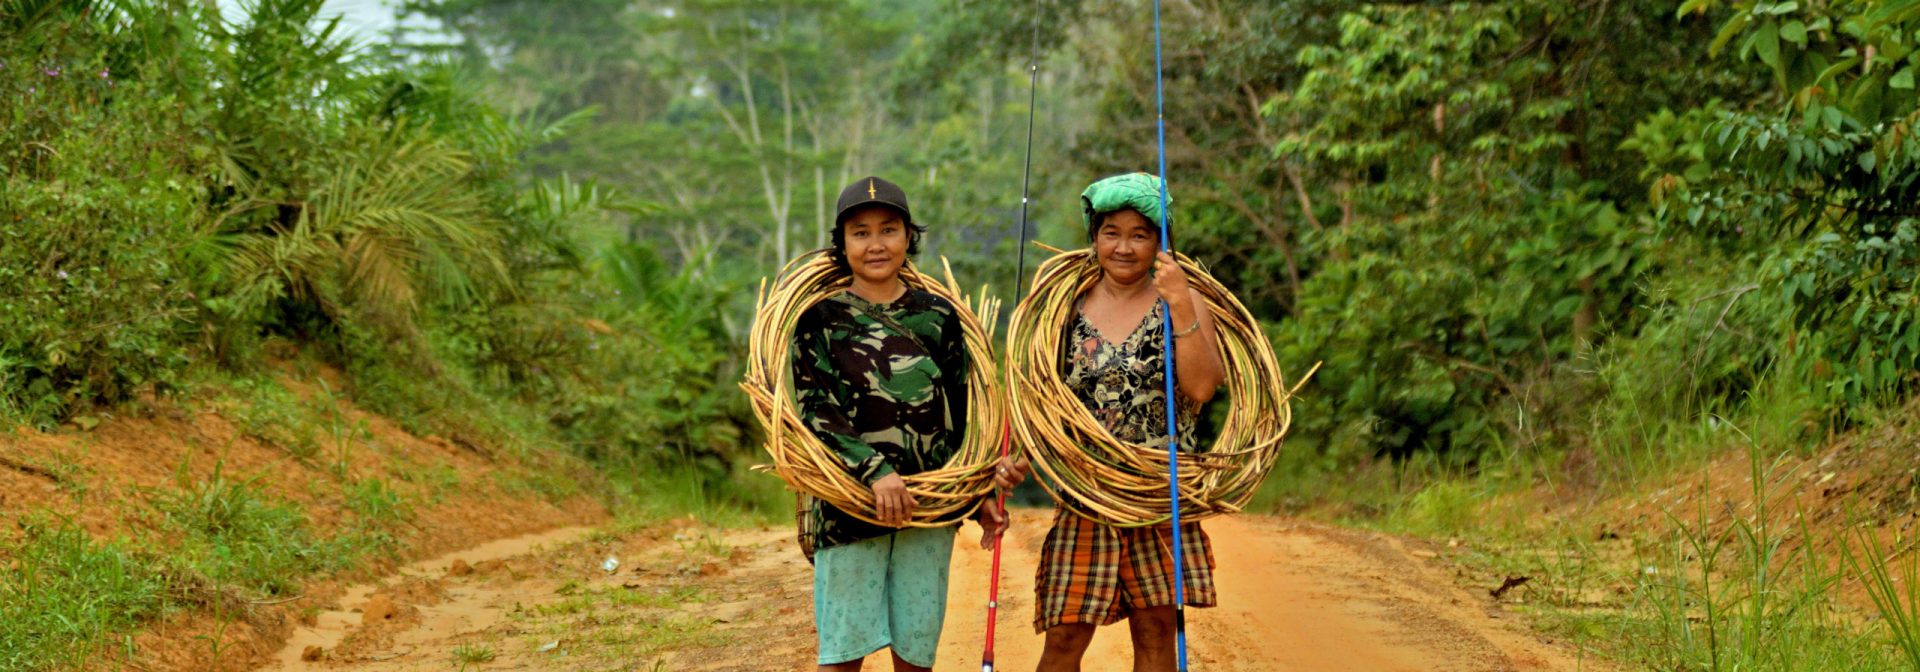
806	463
1094	474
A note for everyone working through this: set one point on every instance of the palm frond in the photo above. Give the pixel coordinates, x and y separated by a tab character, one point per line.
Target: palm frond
399	223
266	267
379	270
501	137
412	225
21	16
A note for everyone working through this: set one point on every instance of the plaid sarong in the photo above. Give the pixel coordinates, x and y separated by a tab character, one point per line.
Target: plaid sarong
1097	574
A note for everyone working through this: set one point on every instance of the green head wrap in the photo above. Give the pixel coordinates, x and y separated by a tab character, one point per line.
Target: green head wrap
1139	191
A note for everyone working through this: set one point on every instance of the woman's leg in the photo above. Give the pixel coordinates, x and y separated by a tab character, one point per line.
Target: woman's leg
1146	582
1075	588
1066	643
1153	645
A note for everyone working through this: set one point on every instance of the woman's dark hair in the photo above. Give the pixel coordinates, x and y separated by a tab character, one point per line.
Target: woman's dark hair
838	253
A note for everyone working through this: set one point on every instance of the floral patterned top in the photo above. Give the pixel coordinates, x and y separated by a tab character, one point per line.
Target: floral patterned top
1124	384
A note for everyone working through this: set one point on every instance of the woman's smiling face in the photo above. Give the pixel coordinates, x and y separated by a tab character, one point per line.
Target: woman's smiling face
876	241
1126	244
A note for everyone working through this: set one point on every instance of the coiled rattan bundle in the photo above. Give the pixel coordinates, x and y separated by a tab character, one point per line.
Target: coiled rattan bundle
1124	484
806	463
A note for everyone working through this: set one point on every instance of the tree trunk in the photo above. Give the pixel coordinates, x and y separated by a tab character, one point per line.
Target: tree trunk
1587	315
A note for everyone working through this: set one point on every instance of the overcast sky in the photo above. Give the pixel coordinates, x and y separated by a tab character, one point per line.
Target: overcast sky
364	20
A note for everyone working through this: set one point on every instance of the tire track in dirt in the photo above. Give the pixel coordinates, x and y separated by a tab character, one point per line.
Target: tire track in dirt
1294	597
682	596
331	627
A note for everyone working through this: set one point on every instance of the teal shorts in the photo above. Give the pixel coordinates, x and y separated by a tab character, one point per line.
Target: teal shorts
881	592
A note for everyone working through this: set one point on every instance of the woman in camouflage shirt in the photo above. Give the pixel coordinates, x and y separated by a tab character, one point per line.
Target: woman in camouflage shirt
879	372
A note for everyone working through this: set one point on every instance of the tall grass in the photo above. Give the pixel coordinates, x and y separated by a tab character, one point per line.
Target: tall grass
1729	598
64	595
1725	589
219	545
743	497
227	534
1892	581
1729	589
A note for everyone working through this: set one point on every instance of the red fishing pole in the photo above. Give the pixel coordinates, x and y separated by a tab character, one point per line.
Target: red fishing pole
1019	284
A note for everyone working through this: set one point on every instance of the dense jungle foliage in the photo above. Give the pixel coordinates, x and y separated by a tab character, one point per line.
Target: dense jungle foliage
1510	229
185	191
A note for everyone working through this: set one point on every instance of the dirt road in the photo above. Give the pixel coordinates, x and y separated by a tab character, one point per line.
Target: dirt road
1294	596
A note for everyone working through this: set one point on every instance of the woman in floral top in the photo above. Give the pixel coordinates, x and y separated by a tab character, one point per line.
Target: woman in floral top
1092	574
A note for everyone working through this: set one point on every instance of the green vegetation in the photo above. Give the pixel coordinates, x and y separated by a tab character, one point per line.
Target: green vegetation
1738	599
1570	246
1510	234
216	545
185	192
468	654
231	535
190	203
1895	590
1730	587
66	593
585	601
620	622
373	500
264	410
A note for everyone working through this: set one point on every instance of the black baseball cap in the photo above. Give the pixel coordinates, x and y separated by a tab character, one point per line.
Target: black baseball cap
872	190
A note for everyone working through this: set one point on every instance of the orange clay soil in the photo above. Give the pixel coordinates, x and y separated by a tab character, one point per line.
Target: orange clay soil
103	480
509	582
1294	596
1861	488
1858	489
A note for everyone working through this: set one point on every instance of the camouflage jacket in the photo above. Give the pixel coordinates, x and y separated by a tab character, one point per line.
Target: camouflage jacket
886	402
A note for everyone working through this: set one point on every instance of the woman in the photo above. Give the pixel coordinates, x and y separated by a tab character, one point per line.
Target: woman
1092	574
879	372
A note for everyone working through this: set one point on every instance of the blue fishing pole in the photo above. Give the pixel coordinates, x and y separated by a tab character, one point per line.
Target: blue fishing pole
1019	288
1166	341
